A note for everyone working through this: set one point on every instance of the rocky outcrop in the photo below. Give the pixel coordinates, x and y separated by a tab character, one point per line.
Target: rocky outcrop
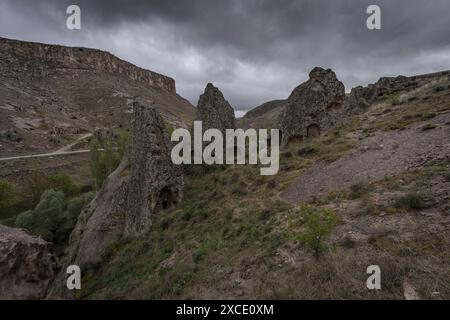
360	98
313	107
145	183
39	60
27	265
214	111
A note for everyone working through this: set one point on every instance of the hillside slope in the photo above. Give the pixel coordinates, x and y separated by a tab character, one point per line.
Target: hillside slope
234	236
263	116
49	95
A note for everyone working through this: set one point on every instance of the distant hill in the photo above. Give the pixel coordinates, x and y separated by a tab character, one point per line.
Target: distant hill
50	94
263	116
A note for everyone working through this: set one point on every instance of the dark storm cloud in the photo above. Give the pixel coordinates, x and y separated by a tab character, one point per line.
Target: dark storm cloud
254	50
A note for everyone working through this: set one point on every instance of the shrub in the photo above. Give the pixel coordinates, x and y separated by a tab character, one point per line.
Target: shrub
63	183
358	190
439	89
412	201
32	188
395	100
45	218
317	224
308	150
6	191
52	219
105	158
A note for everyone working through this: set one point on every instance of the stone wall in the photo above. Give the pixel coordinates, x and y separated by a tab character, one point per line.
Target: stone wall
39	60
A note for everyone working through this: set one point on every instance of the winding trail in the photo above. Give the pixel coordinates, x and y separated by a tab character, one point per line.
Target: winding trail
64	151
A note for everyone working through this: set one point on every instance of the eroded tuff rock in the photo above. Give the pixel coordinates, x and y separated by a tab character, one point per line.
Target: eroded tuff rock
27	265
144	184
214	111
314	106
38	60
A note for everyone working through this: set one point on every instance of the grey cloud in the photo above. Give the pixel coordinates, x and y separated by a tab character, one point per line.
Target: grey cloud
254	50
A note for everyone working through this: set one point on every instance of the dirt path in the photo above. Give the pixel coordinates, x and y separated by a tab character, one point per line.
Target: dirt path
69	146
385	154
43	155
64	151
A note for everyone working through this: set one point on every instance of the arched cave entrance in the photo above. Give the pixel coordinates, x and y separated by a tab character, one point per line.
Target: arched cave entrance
313	130
166	199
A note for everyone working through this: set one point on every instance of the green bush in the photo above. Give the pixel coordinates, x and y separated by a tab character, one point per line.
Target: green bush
439	89
395	100
358	190
62	182
52	219
317	223
46	217
413	201
6	191
106	157
7	196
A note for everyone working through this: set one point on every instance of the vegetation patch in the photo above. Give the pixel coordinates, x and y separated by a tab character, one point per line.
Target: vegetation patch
411	201
315	224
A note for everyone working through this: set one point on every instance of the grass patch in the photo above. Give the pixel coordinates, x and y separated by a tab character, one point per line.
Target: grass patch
412	201
315	224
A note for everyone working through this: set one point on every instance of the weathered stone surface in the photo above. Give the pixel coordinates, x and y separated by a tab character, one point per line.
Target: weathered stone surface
144	184
313	107
27	265
214	111
37	59
360	98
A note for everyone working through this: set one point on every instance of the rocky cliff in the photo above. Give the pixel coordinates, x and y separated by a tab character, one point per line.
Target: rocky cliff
50	95
40	60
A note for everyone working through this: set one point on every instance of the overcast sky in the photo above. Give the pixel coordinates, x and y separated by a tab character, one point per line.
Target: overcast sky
253	50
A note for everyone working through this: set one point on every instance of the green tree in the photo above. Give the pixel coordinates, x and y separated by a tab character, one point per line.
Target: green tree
62	182
316	223
106	156
46	217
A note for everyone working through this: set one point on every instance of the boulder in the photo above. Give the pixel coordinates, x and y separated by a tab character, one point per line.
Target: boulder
214	111
145	183
27	265
313	107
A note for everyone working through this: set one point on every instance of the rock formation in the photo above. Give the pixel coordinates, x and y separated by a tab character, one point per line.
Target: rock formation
50	94
361	97
27	265
214	111
38	59
145	183
313	107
